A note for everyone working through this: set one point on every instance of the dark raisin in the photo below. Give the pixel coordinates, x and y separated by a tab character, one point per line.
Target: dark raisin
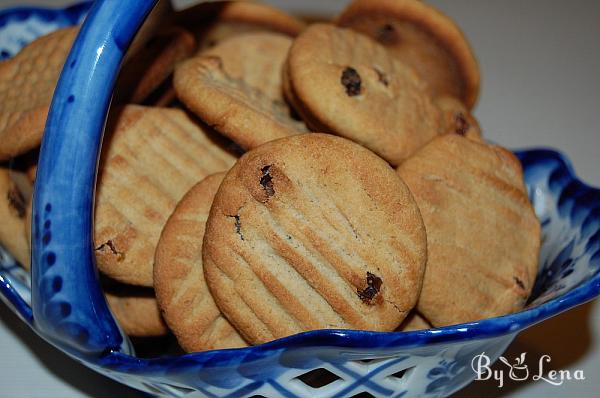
16	201
373	287
462	126
387	34
266	181
351	81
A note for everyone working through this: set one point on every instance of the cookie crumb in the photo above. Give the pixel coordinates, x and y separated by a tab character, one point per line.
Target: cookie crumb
351	81
462	126
266	181
387	34
373	287
16	201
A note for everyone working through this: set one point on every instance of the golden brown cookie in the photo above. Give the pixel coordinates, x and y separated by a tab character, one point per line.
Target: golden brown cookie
240	112
27	83
135	309
181	290
150	159
414	321
147	69
422	37
13	209
309	232
345	83
215	21
457	119
483	235
255	58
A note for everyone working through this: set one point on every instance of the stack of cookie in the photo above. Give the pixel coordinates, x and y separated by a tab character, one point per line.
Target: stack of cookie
366	198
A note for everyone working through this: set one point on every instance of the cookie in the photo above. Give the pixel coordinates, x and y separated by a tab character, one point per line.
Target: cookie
147	69
255	58
242	113
151	157
345	83
213	22
135	309
310	232
181	290
422	37
457	119
27	83
414	321
483	235
13	208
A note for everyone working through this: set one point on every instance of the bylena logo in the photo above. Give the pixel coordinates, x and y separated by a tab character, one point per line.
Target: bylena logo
519	370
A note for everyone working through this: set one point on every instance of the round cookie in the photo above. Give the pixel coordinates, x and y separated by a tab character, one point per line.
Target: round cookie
181	291
213	22
309	232
150	158
27	83
232	107
422	37
483	237
255	58
136	310
13	212
345	83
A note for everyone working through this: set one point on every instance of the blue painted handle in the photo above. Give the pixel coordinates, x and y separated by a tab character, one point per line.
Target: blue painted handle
68	305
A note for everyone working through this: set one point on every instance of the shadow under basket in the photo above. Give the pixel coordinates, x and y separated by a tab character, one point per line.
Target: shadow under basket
63	303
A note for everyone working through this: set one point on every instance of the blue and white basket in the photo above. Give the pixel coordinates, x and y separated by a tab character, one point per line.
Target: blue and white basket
64	304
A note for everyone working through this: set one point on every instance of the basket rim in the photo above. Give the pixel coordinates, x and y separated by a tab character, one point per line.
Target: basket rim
482	329
460	333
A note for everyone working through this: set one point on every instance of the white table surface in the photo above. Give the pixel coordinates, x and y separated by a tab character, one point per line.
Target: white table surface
540	62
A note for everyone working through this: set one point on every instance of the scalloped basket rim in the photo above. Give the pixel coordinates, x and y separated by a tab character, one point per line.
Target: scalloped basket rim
353	339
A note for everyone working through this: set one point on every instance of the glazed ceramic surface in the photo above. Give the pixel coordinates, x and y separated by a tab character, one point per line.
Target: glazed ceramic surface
64	304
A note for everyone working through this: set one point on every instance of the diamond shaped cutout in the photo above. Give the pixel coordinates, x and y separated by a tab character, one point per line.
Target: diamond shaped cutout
318	378
402	373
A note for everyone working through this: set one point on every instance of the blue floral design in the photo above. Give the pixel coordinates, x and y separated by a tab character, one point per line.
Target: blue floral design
442	376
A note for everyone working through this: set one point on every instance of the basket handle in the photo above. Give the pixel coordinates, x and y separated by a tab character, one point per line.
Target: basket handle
69	308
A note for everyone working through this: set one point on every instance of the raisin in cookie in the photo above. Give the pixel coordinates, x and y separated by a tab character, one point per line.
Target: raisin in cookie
345	83
483	237
424	38
150	158
309	232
